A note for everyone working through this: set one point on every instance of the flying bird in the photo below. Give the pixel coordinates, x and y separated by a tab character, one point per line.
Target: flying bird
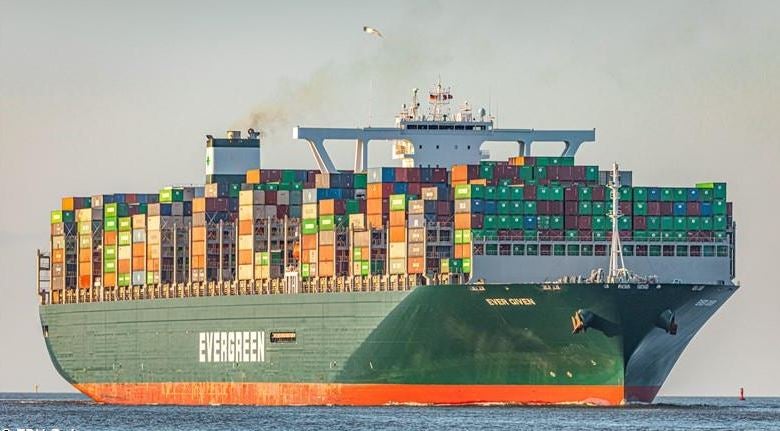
373	31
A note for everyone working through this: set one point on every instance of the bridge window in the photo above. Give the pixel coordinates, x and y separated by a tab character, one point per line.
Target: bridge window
469	127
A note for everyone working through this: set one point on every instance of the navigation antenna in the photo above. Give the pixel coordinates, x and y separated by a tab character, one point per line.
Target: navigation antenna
439	97
617	268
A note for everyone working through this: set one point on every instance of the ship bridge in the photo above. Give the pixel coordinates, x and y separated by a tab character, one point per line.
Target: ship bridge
436	139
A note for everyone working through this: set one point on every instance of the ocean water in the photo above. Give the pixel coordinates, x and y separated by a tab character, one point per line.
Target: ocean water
73	411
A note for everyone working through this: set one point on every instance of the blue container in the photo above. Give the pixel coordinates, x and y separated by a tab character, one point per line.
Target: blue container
490	207
680	209
706	208
529	222
165	209
654	194
400	188
693	194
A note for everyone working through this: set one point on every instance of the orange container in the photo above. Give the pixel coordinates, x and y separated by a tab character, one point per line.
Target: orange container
462	220
198	248
85	255
415	265
309	242
85	269
462	250
397	233
57	255
375	206
364	251
139	249
517	161
326	252
245	227
460	173
199	233
327	207
197	262
68	204
109	279
245	257
85	281
253	176
198	205
375	220
138	263
123	265
397	218
153	265
479	182
109	238
325	269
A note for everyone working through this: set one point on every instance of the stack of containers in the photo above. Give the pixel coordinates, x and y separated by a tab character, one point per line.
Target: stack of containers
207	215
90	241
397	234
308	235
437	209
111	211
251	215
138	277
168	225
469	221
419	211
64	245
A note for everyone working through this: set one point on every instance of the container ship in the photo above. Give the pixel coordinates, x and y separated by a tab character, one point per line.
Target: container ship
448	279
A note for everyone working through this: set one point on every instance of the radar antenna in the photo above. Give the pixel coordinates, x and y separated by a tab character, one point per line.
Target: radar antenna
617	268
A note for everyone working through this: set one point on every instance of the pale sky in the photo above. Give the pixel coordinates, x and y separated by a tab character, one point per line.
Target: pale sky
101	97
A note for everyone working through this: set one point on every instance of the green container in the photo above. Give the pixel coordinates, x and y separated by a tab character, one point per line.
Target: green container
599	223
530	235
543	222
352	206
490	222
680	194
305	270
516	193
584	208
504	207
458	236
640	235
640	194
599	235
398	202
556	222
109	252
327	223
640	207
719	190
667	223
110	224
517	222
125	224
680	236
265	258
718	207
543	193
556	193
706	223
720	236
653	223
526	173
504	193
599	208
466	236
667	194
653	235
529	207
624	223
680	223
540	172
110	210
171	194
584	193
693	223
706	195
109	265
365	268
125	238
309	226
490	193
719	223
516	207
486	170
234	190
572	235
626	194
591	173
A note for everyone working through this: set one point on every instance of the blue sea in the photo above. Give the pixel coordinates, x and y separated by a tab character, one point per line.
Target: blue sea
74	412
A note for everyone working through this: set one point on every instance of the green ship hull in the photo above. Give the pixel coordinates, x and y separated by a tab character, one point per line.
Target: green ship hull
453	344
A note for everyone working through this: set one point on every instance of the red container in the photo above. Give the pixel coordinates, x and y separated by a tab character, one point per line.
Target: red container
570	222
692	209
653	208
543	207
529	193
270	197
599	193
439	175
281	211
552	173
443	208
640	223
564	173
571	208
583	222
570	194
414	189
556	207
414	175
578	173
401	175
667	208
626	208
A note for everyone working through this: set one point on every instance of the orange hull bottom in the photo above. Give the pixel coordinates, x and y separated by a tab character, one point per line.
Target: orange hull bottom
205	393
